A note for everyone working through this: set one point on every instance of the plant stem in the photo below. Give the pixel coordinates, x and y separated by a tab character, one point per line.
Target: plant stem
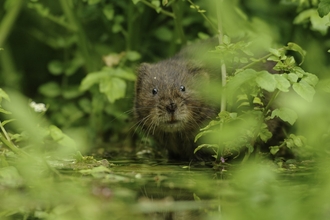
214	27
8	20
223	65
12	147
178	23
158	9
274	95
83	43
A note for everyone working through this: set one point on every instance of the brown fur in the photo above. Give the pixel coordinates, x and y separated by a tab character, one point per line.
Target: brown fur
175	114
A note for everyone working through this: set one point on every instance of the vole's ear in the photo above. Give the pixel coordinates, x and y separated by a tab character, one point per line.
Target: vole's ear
143	69
198	71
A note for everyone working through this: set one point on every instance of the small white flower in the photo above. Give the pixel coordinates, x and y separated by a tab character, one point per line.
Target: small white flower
38	107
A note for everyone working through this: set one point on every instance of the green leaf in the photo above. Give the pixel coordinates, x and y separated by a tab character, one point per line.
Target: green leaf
297	48
135	1
311	79
266	81
239	79
292	77
91	79
320	24
274	149
7	121
285	114
297	140
282	83
109	12
4	95
114	88
60	137
55	67
264	133
201	134
5	111
276	52
324	7
51	89
133	55
305	90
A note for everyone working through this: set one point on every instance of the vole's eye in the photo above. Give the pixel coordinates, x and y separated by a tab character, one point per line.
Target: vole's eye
154	91
182	88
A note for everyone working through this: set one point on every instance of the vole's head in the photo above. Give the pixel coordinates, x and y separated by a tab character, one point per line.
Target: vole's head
168	96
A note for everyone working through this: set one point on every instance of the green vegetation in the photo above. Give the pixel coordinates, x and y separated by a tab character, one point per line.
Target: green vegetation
66	93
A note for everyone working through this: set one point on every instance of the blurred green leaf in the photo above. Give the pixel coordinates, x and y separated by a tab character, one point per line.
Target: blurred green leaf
109	11
266	81
133	55
4	95
305	90
60	137
285	114
55	67
114	88
282	83
297	48
50	89
323	7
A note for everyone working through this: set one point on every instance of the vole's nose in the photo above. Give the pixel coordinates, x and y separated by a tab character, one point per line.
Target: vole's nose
171	107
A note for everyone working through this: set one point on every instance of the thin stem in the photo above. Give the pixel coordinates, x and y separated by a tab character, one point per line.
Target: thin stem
259	60
12	147
274	95
8	20
177	21
158	9
83	43
213	26
223	65
4	131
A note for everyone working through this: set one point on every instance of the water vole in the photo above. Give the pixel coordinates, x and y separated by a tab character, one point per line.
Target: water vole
169	105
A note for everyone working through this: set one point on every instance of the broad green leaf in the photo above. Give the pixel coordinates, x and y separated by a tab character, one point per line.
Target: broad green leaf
7	121
114	88
4	95
135	1
324	7
201	134
55	67
119	72
109	12
91	79
285	114
311	79
277	53
264	133
303	16
5	111
282	83
320	24
297	140
266	81
305	90
274	149
51	89
133	55
239	79
60	137
297	48
292	77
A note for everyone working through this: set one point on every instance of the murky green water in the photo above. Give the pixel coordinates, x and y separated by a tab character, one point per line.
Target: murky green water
128	189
